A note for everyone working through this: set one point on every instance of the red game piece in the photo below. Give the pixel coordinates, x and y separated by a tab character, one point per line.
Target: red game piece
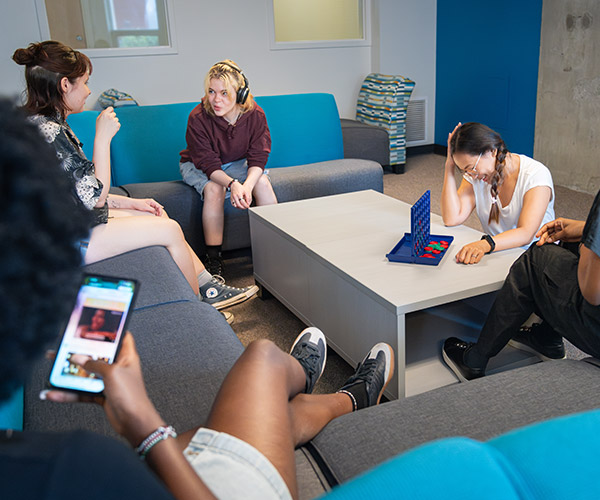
428	249
436	251
429	256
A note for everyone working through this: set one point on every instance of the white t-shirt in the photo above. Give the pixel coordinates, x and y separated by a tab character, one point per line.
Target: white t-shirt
532	174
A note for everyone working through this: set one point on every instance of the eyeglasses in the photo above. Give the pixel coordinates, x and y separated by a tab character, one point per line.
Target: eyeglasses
473	169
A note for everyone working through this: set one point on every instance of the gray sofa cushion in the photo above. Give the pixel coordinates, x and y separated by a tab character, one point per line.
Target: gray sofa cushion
480	409
161	281
185	346
365	141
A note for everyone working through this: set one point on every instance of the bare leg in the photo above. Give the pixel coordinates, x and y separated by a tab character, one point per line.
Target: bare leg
123	234
254	405
263	192
213	218
120	212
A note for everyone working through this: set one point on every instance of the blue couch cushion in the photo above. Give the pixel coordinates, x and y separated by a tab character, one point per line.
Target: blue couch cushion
146	148
305	128
84	126
551	460
11	412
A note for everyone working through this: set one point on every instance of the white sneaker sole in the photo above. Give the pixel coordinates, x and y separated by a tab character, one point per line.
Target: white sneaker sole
238	299
229	317
390	365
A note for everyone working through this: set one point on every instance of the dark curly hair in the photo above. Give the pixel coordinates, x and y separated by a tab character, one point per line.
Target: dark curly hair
475	138
40	223
46	64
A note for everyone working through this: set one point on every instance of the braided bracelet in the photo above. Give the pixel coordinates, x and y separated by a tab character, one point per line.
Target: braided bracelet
156	437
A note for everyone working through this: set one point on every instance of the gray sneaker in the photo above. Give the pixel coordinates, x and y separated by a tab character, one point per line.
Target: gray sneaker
310	349
372	376
219	295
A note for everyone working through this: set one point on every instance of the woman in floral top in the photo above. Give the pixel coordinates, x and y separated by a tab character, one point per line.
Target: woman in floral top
57	78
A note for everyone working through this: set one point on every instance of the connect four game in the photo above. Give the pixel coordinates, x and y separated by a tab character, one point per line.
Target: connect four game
419	246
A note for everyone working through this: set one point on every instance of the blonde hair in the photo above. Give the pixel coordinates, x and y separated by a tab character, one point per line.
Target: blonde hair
232	76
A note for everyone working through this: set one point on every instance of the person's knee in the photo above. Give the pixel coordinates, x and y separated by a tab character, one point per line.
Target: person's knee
171	229
263	183
264	352
214	192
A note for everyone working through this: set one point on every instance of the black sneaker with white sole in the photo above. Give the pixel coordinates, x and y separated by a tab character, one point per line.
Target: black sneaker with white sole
531	339
371	377
310	349
219	295
453	353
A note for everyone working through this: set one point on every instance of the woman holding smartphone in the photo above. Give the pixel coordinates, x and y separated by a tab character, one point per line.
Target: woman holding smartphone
512	193
57	86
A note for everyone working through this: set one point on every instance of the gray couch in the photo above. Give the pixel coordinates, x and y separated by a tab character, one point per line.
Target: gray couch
187	348
183	203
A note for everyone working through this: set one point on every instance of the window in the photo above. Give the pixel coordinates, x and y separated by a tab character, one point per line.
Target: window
109	27
319	23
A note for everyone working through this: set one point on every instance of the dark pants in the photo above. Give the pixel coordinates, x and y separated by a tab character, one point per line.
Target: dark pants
542	281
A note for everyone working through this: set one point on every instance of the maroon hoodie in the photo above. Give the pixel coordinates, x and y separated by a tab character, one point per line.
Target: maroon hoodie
212	141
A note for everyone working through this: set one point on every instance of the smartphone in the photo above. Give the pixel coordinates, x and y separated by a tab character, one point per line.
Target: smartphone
95	329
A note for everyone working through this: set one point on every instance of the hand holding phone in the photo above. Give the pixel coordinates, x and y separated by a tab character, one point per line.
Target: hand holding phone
95	330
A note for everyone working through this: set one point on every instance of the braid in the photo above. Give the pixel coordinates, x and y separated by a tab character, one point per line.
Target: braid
474	139
497	181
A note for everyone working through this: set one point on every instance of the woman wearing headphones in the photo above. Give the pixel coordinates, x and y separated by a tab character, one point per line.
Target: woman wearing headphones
228	145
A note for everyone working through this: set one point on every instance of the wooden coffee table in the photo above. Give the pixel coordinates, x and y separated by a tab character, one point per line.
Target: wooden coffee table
324	259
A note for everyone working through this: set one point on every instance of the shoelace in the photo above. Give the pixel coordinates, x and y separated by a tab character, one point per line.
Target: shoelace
220	281
309	357
367	373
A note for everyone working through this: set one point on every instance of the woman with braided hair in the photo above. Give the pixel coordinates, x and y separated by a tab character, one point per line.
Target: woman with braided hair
512	193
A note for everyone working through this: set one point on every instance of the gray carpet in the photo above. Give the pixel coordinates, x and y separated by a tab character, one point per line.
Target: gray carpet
268	318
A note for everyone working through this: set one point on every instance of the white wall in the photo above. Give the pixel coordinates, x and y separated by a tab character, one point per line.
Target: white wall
407	47
208	32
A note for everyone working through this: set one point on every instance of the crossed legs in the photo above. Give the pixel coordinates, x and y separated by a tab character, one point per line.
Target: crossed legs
261	402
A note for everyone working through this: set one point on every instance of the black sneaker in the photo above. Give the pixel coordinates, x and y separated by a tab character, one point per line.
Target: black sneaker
372	376
530	339
453	353
214	265
219	295
310	349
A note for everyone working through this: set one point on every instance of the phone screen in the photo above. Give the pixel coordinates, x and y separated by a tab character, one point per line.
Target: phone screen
95	329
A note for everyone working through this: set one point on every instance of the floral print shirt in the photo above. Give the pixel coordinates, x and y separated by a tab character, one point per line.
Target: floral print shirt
57	132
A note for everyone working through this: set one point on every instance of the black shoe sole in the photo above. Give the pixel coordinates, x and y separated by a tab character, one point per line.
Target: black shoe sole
527	348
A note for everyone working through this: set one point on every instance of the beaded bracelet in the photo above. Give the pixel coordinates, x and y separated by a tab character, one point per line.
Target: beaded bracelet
156	437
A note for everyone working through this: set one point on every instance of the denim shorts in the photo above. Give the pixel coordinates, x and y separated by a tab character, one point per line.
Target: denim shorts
231	468
197	178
